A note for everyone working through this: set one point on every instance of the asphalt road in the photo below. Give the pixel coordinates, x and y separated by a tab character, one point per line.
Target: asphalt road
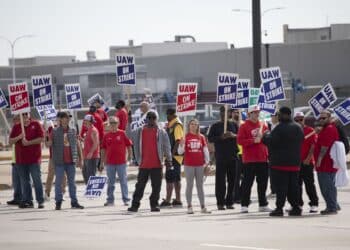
99	227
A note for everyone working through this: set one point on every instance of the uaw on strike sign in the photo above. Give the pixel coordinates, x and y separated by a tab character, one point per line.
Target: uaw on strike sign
186	100
42	90
19	98
227	88
126	74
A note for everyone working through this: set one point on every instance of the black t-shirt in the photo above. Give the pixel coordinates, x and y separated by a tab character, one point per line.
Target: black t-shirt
225	149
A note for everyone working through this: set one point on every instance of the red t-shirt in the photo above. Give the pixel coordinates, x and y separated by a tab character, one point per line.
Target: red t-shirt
98	124
307	143
67	153
28	154
122	114
194	155
115	144
149	156
102	114
326	138
88	143
252	152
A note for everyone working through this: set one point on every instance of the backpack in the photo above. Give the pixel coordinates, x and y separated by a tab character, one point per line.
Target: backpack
343	138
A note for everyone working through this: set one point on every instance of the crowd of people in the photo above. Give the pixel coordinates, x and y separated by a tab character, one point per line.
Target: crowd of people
285	151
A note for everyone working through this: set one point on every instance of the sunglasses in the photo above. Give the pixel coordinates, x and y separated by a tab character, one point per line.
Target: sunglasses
322	118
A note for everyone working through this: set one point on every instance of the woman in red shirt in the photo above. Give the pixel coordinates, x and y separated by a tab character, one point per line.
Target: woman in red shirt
196	157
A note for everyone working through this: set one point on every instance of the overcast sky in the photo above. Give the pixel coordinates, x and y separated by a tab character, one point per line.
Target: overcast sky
71	27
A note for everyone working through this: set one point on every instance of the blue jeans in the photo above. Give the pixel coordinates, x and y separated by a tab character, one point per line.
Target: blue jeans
123	179
70	172
25	172
16	184
328	189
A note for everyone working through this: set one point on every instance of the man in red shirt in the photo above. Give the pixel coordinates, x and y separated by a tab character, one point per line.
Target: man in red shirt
91	151
151	145
306	174
98	124
121	114
254	159
113	155
28	159
324	164
100	111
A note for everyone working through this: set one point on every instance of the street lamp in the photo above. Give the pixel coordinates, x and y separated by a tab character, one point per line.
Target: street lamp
12	44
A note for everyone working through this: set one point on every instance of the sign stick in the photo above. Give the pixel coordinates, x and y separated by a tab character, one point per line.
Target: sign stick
128	97
185	125
22	124
225	120
5	120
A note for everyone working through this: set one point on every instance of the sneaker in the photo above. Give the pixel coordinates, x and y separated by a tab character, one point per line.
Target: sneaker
108	204
13	203
276	212
58	205
230	207
155	209
204	210
165	203
132	209
295	212
41	205
265	209
190	210
313	209
176	203
77	206
221	207
26	205
126	203
328	212
244	210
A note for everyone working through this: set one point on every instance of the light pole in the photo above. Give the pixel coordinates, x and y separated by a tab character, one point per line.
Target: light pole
12	44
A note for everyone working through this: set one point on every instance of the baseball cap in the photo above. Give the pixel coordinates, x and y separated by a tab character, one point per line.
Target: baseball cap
299	114
89	118
253	108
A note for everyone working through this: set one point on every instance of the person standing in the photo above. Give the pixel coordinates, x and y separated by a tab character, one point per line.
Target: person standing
226	156
173	176
113	156
16	180
237	192
98	124
67	154
28	159
121	114
91	151
196	158
50	167
306	174
151	145
100	111
254	158
324	163
285	142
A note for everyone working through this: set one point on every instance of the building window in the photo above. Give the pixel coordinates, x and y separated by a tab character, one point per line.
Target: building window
324	37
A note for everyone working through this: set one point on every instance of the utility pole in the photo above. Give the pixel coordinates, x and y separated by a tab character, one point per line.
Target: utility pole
256	41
